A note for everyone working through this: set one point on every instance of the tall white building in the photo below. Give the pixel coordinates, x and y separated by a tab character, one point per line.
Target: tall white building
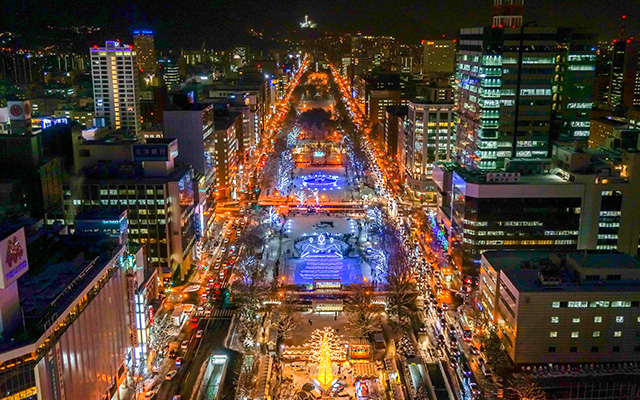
115	86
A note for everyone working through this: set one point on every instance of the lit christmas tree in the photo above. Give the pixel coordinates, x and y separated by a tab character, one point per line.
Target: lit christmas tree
325	347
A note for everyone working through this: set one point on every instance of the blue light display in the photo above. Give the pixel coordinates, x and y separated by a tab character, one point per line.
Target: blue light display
433	224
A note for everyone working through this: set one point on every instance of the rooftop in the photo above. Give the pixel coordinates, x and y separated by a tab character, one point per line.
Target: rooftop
130	173
524	268
188	107
224	122
611	122
60	268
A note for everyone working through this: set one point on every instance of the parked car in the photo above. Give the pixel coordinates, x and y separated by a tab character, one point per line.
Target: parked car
474	350
199	334
178	361
151	394
184	345
466	371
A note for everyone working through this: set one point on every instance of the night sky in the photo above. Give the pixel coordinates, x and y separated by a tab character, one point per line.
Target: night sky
189	23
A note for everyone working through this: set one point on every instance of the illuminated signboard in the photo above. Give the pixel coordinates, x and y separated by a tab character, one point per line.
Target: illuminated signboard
137	32
326	284
49	122
13	258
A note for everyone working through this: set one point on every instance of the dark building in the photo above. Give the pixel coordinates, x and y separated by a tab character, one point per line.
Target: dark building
394	121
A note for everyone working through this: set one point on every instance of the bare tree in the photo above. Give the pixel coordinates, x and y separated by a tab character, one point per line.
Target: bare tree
287	322
283	389
252	239
246	383
401	295
362	315
525	387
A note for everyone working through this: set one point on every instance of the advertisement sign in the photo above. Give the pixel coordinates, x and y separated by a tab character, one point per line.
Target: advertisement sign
326	284
150	152
13	258
19	109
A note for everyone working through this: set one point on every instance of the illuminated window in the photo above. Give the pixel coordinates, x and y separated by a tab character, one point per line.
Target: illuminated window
575	334
598	319
596	333
576	320
555	320
619	319
553	334
617	334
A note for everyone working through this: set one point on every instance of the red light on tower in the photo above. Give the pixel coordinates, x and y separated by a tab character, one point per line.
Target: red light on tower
95	47
624	17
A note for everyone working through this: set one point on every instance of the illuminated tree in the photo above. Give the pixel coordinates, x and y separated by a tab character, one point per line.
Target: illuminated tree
316	196
302	195
326	347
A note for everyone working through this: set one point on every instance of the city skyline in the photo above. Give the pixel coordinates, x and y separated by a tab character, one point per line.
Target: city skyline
226	24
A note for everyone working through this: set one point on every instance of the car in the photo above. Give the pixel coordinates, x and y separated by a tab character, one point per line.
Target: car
172	353
423	329
223	249
453	362
151	394
475	391
441	338
170	375
480	361
466	371
194	320
467	335
439	311
226	240
474	350
453	342
207	313
199	334
176	397
452	329
178	361
445	306
218	260
455	352
184	345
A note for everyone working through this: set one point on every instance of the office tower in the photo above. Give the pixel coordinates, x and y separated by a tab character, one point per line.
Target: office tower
115	86
430	139
580	307
586	204
144	48
143	178
511	100
438	56
193	126
227	154
71	295
507	13
624	82
573	85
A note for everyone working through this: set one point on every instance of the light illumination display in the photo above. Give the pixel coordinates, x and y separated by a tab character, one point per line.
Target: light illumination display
321	181
436	231
321	246
326	347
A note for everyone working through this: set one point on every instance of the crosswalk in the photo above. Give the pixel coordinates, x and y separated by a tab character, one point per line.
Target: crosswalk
221	313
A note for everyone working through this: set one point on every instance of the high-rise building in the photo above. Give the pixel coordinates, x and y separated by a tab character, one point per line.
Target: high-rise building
394	124
512	95
439	56
226	151
624	82
143	46
431	137
115	86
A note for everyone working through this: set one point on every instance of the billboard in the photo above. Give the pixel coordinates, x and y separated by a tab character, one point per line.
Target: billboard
151	152
13	258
